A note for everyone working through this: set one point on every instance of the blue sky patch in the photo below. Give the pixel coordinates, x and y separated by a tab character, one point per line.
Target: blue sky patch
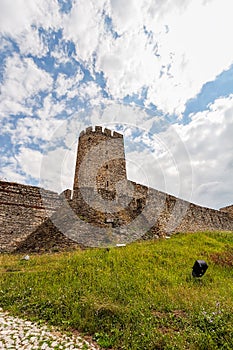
65	5
109	27
138	99
222	86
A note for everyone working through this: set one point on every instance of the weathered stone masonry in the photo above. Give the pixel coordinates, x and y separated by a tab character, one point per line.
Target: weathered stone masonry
228	209
34	219
22	209
105	169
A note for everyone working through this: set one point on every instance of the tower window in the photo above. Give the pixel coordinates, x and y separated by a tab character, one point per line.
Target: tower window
107	183
107	166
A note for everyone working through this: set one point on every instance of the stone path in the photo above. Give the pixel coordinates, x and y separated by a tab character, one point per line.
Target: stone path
16	333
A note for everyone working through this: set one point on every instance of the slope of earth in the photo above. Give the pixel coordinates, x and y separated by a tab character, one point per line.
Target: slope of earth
141	296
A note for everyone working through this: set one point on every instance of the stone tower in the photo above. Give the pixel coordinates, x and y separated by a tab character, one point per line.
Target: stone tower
100	173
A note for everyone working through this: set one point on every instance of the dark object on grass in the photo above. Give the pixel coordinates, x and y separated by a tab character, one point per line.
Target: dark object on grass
199	268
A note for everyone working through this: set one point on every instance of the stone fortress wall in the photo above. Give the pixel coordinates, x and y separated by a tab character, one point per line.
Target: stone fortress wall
22	209
228	209
160	212
103	201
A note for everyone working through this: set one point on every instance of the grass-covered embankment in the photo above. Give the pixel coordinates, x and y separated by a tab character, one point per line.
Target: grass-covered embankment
137	297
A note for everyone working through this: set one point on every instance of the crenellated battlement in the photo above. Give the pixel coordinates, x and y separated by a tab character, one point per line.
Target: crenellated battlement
102	152
100	130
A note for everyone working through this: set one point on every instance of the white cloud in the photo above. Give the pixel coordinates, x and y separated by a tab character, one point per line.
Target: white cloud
187	44
209	142
29	161
17	16
170	47
164	160
54	170
115	113
10	173
206	166
129	64
30	42
20	20
51	108
84	25
90	91
38	129
200	50
68	85
9	170
57	169
125	14
5	44
22	80
34	130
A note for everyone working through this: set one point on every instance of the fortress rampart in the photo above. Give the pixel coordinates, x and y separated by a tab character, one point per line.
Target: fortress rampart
104	202
165	215
22	209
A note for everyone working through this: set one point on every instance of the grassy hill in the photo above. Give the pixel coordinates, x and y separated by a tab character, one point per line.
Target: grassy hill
137	297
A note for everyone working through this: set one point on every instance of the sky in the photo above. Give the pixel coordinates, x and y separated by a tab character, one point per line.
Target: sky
158	71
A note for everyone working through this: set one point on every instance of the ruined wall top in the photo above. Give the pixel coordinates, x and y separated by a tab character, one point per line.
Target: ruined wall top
228	209
100	130
12	193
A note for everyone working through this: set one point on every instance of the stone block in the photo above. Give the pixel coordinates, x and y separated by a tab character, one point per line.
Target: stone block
89	130
117	135
108	132
98	129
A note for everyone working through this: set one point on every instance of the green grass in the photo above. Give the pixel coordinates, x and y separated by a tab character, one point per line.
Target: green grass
137	297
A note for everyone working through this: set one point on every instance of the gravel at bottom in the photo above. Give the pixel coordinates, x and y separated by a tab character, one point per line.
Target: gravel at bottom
16	333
